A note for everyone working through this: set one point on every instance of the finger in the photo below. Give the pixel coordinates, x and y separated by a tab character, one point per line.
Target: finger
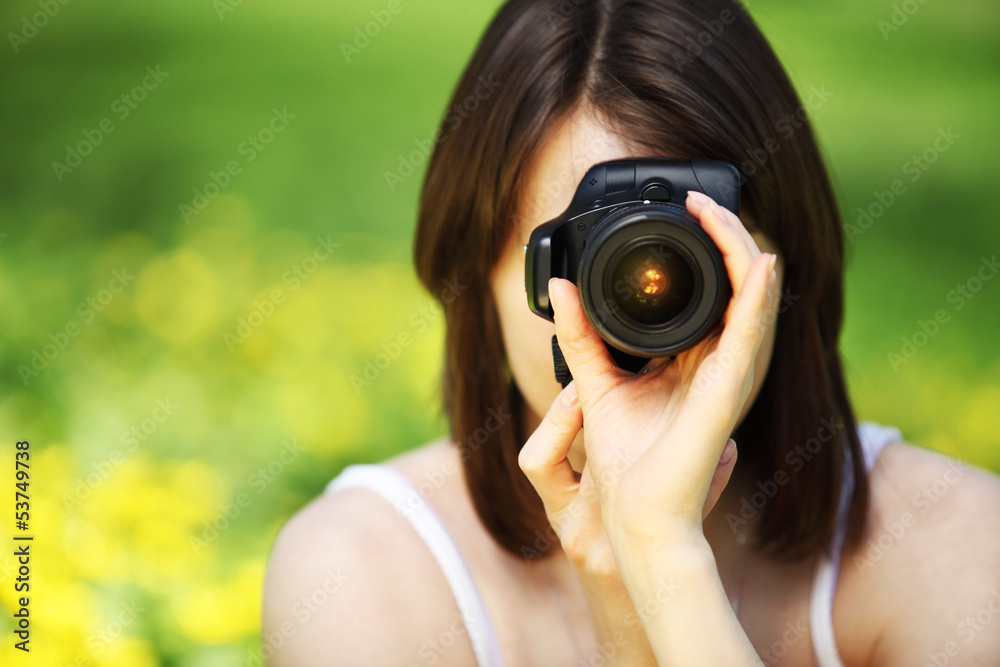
586	356
722	382
543	457
723	472
751	316
696	200
733	240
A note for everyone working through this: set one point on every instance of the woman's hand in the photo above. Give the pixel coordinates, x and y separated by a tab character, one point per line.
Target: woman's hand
574	513
654	440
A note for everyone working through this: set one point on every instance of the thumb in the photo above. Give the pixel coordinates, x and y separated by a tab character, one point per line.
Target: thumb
723	471
586	356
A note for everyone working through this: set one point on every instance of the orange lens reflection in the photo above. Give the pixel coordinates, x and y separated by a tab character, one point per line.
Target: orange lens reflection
653	281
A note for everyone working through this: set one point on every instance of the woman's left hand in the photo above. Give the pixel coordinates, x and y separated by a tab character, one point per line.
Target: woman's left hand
654	440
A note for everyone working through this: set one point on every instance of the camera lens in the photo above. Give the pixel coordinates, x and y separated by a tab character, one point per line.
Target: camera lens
651	283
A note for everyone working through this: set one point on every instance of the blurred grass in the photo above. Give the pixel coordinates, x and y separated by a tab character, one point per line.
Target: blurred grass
162	337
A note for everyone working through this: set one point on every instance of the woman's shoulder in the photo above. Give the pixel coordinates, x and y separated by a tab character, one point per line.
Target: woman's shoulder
927	568
348	571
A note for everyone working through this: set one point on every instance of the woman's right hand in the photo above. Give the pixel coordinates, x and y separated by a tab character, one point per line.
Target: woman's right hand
574	512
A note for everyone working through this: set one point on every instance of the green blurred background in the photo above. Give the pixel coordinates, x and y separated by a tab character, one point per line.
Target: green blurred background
152	414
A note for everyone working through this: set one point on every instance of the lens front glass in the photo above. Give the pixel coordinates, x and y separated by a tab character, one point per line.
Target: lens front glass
651	284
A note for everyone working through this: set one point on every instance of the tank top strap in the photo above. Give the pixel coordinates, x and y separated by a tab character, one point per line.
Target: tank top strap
874	437
397	490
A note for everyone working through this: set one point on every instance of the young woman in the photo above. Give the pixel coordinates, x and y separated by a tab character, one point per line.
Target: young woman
722	508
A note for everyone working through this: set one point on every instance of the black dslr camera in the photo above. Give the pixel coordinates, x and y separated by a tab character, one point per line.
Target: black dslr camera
652	282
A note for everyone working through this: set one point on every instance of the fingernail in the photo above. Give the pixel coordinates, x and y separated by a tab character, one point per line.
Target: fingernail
700	197
728	453
568	396
717	210
771	263
552	297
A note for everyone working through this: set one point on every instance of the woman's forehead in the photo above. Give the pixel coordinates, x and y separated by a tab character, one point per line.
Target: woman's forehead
560	161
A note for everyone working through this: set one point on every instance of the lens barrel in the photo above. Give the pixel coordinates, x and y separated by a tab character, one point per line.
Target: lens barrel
651	281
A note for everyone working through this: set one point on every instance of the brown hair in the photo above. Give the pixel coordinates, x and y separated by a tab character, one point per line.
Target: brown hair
687	78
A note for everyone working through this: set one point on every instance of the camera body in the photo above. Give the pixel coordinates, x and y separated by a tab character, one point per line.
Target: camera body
652	283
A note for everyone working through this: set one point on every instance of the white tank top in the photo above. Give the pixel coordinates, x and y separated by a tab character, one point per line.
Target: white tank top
397	491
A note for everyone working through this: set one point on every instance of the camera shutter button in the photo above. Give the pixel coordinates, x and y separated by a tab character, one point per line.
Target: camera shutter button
656	193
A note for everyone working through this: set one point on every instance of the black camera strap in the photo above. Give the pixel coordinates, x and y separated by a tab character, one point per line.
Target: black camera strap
563	376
